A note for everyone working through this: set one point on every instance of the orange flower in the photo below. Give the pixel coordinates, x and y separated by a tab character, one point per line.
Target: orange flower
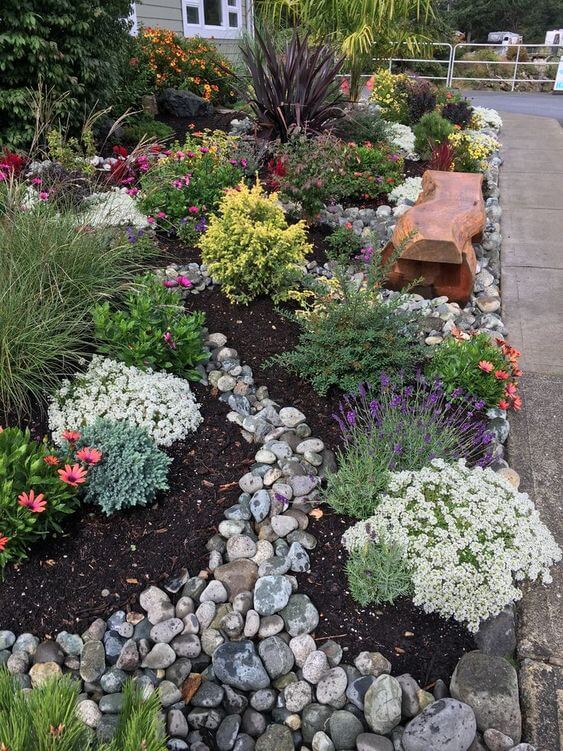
501	375
51	460
36	504
485	366
3	541
503	404
71	435
517	402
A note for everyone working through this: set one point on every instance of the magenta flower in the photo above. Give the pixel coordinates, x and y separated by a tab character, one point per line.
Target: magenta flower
43	195
183	281
169	340
35	504
170	283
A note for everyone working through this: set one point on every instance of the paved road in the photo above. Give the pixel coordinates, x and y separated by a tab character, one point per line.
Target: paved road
524	103
532	294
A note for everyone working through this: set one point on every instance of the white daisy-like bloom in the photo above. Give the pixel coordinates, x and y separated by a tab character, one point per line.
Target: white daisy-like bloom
408	190
159	402
468	537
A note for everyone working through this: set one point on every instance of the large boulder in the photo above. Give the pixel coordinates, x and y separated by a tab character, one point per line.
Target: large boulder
489	685
445	725
181	103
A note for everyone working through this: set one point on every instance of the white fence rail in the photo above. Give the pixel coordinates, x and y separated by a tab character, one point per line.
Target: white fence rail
454	69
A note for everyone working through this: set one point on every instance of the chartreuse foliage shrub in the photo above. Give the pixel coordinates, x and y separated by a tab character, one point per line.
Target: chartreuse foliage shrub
34	499
152	330
132	469
468	537
50	277
69	47
429	132
250	249
46	719
482	367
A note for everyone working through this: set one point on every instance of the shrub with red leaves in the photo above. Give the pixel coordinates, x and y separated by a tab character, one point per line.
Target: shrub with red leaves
442	158
12	163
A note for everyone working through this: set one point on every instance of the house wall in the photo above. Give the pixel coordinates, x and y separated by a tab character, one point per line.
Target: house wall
168	15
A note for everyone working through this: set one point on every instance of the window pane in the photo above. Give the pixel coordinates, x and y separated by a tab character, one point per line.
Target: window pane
232	3
192	14
212	12
233	20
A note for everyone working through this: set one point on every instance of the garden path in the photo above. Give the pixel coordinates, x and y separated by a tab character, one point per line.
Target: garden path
532	280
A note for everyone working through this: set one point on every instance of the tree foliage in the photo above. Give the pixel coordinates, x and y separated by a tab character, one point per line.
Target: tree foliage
63	46
476	18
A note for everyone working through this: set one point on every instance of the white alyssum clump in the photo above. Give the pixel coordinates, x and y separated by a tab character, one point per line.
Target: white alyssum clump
160	402
408	190
468	537
402	138
113	208
485	117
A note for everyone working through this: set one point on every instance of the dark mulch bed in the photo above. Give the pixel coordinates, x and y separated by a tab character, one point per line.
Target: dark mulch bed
60	585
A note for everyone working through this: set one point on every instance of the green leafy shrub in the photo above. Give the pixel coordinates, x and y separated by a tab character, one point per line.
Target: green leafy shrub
132	469
378	573
249	247
50	277
179	192
152	330
401	426
344	243
314	172
362	124
70	47
429	132
145	126
479	366
352	335
34	499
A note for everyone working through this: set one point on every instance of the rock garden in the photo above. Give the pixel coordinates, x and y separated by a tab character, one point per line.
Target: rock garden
253	494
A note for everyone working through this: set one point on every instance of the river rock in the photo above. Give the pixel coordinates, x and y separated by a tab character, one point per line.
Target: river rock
344	728
382	704
332	686
237	576
271	594
300	615
489	685
445	725
238	665
276	656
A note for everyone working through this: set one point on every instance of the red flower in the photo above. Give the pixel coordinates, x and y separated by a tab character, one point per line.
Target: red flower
36	504
51	460
3	541
71	435
485	366
120	151
503	404
74	475
501	375
89	455
517	402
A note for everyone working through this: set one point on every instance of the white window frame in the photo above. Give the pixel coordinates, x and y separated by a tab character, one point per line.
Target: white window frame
219	32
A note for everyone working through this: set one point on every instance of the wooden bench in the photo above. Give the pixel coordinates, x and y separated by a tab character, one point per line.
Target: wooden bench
438	232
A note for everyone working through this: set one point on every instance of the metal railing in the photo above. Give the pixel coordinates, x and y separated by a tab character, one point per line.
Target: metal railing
515	65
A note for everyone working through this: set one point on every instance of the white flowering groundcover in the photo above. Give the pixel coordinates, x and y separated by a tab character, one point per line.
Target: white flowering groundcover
159	402
468	537
485	117
402	138
408	190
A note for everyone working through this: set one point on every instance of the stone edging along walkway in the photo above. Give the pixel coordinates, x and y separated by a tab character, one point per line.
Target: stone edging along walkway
233	656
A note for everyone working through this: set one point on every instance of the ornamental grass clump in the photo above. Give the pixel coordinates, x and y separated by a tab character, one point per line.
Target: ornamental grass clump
161	403
377	574
38	490
131	470
152	329
480	366
250	249
468	536
399	426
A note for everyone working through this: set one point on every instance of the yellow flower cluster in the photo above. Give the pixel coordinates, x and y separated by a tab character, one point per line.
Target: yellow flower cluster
478	146
388	94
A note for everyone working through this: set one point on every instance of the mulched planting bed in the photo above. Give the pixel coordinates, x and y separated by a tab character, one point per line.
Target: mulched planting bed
60	585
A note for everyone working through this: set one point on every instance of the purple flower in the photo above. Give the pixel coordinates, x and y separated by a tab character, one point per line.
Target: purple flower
397	448
385	380
351	417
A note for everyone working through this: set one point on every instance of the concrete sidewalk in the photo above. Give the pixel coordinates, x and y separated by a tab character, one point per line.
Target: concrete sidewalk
532	288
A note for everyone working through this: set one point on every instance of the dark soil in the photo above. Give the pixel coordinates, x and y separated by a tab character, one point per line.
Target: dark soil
219	120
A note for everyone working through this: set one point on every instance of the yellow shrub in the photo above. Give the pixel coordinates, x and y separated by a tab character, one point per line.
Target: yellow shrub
388	90
249	247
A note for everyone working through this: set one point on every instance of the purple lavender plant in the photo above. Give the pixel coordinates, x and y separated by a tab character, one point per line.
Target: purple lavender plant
399	426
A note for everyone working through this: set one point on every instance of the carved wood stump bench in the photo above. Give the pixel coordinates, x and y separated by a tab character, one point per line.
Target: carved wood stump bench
438	232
